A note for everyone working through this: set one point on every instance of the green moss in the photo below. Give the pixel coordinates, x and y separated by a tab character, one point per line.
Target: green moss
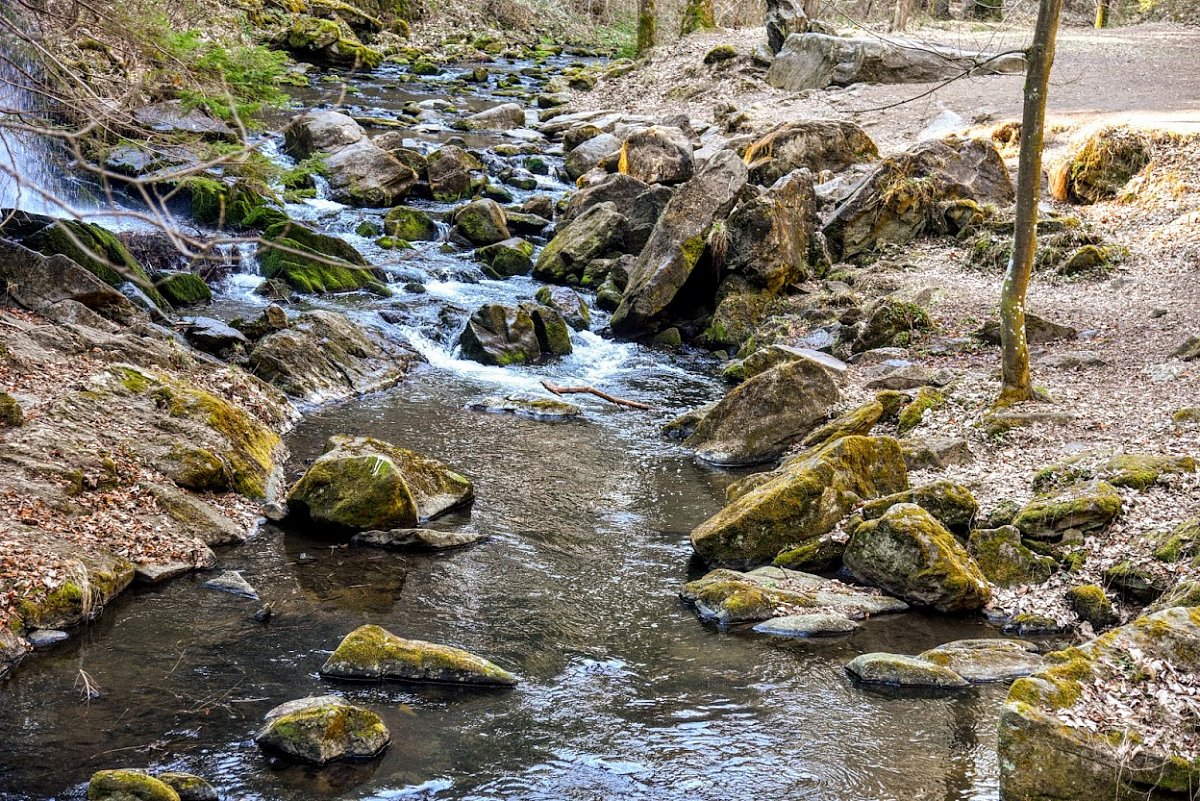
913	414
411	225
371	652
1005	560
1090	603
96	250
128	785
11	413
184	289
315	263
1141	471
720	53
698	15
818	554
198	469
1087	506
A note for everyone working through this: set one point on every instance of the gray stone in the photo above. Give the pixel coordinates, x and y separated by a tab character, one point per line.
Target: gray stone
44	638
231	581
806	626
417	539
903	671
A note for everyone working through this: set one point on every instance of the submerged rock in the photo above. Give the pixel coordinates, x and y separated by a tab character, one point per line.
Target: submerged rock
361	483
417	539
806	626
535	406
370	653
802	500
323	729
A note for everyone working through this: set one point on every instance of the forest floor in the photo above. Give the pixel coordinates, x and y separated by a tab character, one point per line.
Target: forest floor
1131	321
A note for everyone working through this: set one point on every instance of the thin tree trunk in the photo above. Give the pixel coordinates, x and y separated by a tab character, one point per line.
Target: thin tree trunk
645	28
1017	386
904	9
941	9
812	8
1102	7
697	15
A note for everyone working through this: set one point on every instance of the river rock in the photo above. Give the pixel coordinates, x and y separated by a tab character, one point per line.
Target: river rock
903	671
727	597
951	504
320	132
500	335
1045	753
452	173
481	222
643	214
12	650
815	145
677	244
589	154
658	155
323	729
784	17
363	484
212	336
986	661
856	422
1088	506
370	653
128	785
806	626
909	554
416	539
553	333
759	419
39	282
769	236
526	405
44	638
411	225
364	174
618	188
188	786
815	61
183	289
597	231
512	256
802	500
231	581
935	187
314	262
567	302
504	117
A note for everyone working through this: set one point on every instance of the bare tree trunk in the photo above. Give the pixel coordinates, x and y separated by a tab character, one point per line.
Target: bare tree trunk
985	9
1016	384
1102	7
812	8
904	9
645	28
698	15
941	9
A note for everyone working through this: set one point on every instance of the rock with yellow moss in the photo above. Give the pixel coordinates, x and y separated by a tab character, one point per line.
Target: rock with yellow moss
911	555
802	500
362	484
128	785
323	729
1066	732
370	653
1088	506
658	155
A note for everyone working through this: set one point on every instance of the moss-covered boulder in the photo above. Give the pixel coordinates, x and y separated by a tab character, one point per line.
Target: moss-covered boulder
986	661
370	653
183	289
802	500
553	333
189	787
323	729
11	413
892	322
481	222
903	671
1091	604
913	414
315	263
599	230
657	155
727	597
666	265
1182	543
500	335
1005	560
452	173
1100	722
951	504
761	418
816	555
567	302
513	256
1088	506
361	484
233	204
1101	166
911	555
857	422
327	42
411	225
128	785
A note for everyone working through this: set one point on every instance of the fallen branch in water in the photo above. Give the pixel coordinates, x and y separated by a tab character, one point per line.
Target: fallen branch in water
557	390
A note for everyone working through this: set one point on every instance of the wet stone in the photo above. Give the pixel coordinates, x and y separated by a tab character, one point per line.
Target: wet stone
416	539
806	626
44	638
232	582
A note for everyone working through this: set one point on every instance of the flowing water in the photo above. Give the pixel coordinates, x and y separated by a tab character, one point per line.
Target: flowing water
624	694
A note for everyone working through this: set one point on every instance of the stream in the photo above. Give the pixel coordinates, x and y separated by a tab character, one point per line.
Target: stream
624	694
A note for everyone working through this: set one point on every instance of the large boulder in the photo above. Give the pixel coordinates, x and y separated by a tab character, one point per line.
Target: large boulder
1105	720
597	231
815	61
589	154
481	222
667	263
314	262
320	132
500	335
1088	506
370	653
911	555
802	500
323	729
658	155
769	236
1101	166
936	187
761	418
618	188
815	145
411	225
363	484
567	302
1005	560
452	173
364	174
504	117
40	282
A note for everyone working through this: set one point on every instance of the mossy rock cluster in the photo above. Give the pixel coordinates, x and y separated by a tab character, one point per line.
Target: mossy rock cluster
370	653
1102	166
183	289
315	263
323	729
1065	245
1087	507
1005	559
365	484
237	204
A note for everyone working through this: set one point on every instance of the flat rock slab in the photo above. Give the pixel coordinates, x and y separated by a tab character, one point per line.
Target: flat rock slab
370	653
903	671
417	539
232	582
146	573
806	626
985	661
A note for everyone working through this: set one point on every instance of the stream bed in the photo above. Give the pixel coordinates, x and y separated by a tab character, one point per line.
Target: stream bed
624	694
